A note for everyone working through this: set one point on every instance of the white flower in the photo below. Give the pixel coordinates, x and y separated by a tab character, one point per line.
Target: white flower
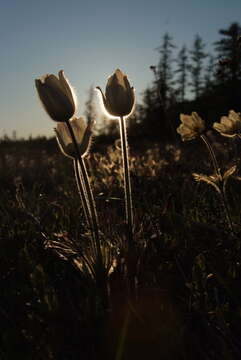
229	126
56	96
119	97
192	126
82	134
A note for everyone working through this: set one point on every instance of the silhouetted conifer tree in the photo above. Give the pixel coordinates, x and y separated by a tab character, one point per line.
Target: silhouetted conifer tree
149	113
182	71
209	74
229	53
164	71
196	66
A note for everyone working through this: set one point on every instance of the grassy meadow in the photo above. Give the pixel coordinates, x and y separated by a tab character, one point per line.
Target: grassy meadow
186	302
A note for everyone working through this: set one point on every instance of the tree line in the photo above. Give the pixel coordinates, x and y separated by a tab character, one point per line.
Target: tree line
193	80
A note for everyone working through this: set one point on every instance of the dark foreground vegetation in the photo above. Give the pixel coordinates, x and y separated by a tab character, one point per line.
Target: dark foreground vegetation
188	297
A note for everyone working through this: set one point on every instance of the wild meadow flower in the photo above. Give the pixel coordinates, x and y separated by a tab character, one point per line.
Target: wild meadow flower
82	132
217	180
57	96
192	126
119	101
73	137
119	97
229	126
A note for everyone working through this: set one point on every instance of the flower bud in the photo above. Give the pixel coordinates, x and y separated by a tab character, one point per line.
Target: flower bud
57	97
82	134
119	97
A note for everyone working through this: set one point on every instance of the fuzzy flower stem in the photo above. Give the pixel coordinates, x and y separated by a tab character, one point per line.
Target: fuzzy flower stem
128	210
212	155
127	182
89	198
82	193
219	175
92	207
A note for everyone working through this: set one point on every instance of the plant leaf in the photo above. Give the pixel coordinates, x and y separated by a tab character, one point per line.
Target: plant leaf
229	172
211	180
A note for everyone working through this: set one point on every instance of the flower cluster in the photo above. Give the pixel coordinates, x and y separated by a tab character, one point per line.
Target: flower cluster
59	101
74	136
193	126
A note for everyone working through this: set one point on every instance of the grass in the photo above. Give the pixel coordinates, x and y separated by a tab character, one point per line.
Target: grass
187	301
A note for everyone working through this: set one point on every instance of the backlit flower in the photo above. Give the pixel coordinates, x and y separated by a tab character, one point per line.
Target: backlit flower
82	134
191	127
119	97
230	125
56	96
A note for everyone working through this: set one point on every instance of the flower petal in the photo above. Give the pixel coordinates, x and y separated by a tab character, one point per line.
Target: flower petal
79	127
186	119
67	87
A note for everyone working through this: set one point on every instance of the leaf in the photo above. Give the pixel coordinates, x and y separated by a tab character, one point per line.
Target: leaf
229	173
211	180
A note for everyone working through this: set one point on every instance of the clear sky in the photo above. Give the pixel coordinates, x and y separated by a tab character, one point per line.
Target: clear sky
89	40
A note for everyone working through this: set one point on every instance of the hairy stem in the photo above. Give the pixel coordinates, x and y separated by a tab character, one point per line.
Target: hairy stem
212	155
127	182
129	211
82	194
222	188
83	172
85	203
89	195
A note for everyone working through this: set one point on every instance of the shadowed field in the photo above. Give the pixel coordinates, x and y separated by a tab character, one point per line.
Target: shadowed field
187	296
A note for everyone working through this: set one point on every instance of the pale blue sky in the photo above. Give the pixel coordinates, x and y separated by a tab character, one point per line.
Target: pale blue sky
89	40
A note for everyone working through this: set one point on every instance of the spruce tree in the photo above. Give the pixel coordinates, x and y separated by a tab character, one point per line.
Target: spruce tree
196	66
150	114
229	53
182	71
164	72
209	74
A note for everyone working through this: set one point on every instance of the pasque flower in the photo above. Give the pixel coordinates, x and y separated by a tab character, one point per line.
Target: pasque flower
119	97
191	127
82	132
229	126
56	96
